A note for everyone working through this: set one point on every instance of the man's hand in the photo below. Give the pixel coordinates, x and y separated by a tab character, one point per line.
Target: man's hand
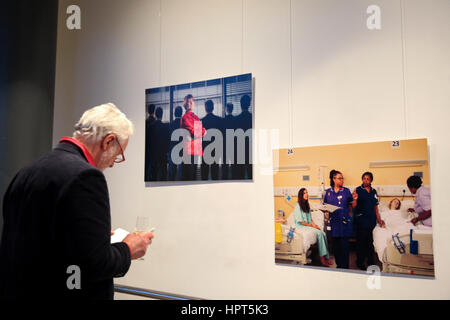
138	243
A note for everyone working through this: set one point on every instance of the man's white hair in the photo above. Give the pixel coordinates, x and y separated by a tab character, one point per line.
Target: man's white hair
97	122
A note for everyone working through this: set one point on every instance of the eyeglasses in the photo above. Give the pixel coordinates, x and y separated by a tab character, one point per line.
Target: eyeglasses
120	158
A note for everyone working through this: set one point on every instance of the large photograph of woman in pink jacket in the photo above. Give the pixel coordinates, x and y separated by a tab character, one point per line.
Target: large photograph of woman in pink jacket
200	130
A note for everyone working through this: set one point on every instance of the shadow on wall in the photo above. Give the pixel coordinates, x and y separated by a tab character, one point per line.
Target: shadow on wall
27	61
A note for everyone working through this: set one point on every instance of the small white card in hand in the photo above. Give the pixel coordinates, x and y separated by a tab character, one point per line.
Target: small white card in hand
119	235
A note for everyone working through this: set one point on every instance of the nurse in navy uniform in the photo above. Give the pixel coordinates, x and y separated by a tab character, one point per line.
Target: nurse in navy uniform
341	227
366	218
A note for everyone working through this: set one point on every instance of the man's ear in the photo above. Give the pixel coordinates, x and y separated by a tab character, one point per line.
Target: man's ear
107	141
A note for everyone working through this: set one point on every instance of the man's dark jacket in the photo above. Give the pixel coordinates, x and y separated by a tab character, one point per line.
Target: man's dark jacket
56	215
160	141
211	121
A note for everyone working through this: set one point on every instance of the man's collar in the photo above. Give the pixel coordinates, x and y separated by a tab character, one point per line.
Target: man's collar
83	148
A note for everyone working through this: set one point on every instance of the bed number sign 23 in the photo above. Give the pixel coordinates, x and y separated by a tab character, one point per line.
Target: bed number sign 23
396	144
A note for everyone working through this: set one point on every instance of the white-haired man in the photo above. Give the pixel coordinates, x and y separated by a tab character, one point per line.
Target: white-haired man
57	223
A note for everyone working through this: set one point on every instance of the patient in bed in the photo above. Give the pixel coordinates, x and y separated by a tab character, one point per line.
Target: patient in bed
302	218
395	204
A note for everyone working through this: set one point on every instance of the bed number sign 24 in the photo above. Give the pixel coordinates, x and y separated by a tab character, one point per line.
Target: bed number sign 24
396	144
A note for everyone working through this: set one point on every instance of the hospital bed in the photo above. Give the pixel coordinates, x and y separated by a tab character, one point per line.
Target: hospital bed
299	248
403	247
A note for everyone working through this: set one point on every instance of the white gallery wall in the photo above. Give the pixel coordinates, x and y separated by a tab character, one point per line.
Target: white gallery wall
321	77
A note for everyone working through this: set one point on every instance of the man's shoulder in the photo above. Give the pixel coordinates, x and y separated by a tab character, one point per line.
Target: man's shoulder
211	118
54	173
244	114
60	165
175	123
158	124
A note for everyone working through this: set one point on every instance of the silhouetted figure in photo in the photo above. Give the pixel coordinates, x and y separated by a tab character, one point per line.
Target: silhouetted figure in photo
228	123
193	141
243	121
159	147
174	169
150	118
210	121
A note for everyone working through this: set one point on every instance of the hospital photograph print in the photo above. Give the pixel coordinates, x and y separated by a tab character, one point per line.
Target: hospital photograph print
200	131
355	207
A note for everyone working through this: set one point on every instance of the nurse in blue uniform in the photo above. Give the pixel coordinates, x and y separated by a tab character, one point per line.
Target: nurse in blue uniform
341	228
